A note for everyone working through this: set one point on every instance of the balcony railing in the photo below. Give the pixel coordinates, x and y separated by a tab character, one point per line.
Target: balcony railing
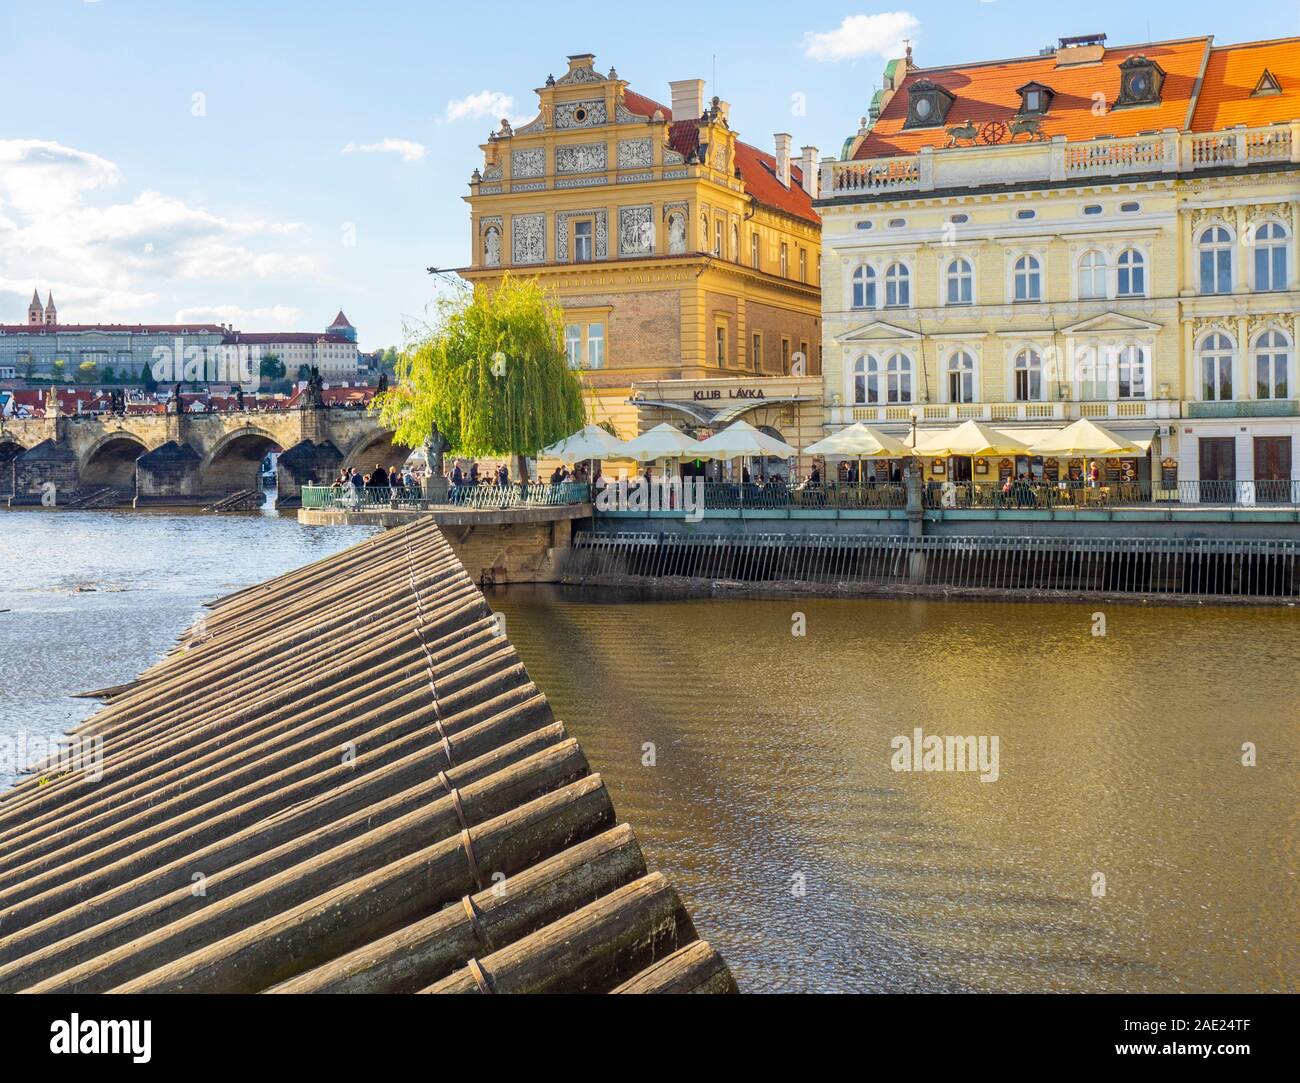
1245	408
1008	412
1059	159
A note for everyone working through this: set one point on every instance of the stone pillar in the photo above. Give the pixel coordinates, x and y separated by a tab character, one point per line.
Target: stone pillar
306	463
168	474
46	474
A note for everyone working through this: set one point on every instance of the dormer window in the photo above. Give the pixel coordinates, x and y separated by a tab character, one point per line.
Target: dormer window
927	104
1266	86
1140	81
1035	99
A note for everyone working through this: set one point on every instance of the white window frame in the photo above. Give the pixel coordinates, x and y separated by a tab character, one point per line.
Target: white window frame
898	284
1134	363
870	288
955	365
1215	246
1033	358
1130	262
1222	356
1032	273
1271	354
1267	247
1093	275
960	272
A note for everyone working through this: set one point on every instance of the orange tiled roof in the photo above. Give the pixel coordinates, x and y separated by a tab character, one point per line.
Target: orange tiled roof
1231	77
757	167
988	92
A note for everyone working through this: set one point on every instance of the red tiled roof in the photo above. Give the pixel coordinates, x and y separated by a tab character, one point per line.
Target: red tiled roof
757	168
132	328
988	92
259	337
1231	77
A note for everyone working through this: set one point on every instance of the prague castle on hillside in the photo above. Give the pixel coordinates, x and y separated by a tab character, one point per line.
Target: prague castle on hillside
44	347
1096	231
681	255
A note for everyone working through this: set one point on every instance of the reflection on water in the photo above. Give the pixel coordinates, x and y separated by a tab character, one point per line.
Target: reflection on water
1119	755
94	597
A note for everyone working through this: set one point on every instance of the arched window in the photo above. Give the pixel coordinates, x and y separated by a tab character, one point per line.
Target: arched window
898	378
1270	257
1215	247
897	291
1132	274
866	381
1029	376
961	377
961	282
1092	275
1216	367
1132	373
1272	366
864	287
1028	279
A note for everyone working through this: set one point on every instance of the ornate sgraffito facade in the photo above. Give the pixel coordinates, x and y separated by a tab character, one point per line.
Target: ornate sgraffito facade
676	250
1030	261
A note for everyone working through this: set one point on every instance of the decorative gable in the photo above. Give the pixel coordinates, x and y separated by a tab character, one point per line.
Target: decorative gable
1267	85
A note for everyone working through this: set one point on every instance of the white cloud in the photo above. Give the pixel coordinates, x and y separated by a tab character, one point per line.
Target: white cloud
486	103
113	260
240	318
863	35
410	152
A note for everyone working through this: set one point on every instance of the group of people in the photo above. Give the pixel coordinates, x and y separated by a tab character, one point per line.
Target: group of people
581	472
379	478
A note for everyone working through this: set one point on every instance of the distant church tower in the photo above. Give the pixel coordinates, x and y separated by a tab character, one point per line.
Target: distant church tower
341	327
51	316
35	313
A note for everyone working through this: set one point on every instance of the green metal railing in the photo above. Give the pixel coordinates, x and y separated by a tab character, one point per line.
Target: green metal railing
532	494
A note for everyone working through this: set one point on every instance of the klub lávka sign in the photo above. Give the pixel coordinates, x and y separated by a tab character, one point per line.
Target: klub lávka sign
708	394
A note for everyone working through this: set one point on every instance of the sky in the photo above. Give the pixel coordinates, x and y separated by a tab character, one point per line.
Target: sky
267	164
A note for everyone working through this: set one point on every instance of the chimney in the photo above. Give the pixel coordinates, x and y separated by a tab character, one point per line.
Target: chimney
808	165
688	99
783	144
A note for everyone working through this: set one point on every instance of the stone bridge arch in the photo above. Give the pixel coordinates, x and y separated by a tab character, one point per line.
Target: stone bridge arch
10	448
110	460
235	461
375	447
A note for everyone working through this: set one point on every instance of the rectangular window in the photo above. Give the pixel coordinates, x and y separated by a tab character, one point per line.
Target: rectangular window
753	252
785	356
573	344
803	353
785	261
756	352
583	241
717	237
720	345
595	345
803	265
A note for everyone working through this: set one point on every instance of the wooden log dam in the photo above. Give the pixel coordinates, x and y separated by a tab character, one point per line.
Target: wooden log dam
340	780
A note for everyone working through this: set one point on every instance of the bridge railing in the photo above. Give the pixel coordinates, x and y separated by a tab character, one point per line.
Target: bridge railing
530	495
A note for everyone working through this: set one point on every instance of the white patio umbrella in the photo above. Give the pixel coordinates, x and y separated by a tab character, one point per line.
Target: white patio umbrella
589	442
661	442
1084	440
741	441
859	441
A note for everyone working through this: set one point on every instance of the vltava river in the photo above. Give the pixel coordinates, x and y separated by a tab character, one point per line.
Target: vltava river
771	803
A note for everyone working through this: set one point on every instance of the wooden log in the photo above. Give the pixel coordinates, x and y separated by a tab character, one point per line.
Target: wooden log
289	942
591	950
696	968
431	947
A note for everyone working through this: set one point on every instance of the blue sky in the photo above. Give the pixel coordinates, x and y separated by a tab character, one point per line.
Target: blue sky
168	159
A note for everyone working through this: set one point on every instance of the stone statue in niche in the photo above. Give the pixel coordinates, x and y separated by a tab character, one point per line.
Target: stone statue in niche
677	233
492	246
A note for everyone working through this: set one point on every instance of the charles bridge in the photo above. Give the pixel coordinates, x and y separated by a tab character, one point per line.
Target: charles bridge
185	458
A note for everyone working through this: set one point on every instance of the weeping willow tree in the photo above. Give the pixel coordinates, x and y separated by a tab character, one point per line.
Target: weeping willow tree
490	374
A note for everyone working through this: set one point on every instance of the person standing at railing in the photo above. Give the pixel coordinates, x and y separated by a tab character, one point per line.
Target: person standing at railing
473	473
379	479
457	477
503	475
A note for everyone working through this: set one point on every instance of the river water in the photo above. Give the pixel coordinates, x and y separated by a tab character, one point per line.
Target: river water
755	764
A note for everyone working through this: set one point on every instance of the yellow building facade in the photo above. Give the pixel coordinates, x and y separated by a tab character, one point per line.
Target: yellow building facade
677	251
1028	242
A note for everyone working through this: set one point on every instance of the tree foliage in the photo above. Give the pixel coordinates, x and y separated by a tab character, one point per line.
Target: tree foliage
490	373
